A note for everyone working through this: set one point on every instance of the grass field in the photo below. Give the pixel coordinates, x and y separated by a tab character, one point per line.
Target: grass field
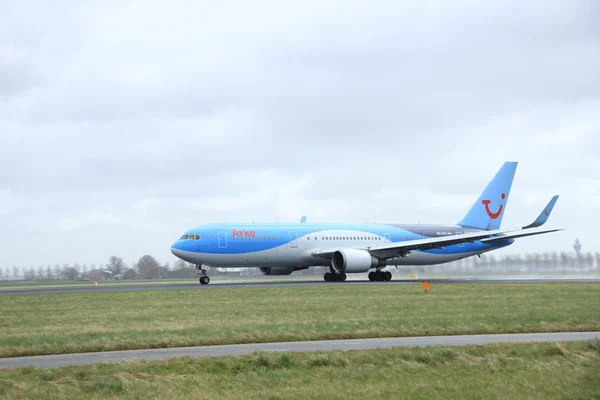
532	371
81	322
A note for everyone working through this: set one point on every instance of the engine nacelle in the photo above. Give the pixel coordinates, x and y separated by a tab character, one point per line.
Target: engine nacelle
352	260
280	270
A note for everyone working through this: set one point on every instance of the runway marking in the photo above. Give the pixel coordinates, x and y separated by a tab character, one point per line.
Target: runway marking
61	360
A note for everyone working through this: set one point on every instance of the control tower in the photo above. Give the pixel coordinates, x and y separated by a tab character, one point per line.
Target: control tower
577	248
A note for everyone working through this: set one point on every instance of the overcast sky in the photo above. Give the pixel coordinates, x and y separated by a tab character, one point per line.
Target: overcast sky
123	124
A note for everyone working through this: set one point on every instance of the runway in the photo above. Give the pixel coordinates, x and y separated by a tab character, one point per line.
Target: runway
61	360
230	285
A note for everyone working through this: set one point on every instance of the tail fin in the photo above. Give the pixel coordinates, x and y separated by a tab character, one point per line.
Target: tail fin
488	210
543	217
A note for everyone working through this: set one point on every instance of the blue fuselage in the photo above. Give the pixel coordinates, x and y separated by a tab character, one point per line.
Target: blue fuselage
286	245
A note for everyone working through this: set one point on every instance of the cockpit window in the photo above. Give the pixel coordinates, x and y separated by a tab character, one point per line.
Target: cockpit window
190	237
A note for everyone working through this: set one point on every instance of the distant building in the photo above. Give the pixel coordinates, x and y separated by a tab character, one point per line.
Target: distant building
577	247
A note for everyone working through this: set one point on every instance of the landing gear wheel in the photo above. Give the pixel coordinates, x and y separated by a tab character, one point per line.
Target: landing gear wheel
372	276
342	277
387	276
204	280
379	276
327	277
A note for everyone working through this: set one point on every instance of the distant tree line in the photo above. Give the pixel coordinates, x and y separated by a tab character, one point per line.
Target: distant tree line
531	262
147	267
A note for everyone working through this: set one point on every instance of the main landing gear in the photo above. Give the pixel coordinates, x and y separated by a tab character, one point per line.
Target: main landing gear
380	276
334	277
204	279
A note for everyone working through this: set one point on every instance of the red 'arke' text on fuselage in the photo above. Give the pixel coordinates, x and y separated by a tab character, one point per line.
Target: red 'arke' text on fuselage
243	232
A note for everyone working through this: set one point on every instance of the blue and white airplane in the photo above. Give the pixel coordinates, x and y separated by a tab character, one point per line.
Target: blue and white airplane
281	249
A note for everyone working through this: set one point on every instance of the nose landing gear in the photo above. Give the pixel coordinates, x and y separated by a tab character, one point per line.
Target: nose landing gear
204	279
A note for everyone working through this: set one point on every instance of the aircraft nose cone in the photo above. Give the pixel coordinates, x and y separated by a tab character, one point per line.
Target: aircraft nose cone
176	249
181	250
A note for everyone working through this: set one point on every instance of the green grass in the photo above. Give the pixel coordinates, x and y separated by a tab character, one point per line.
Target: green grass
81	322
531	371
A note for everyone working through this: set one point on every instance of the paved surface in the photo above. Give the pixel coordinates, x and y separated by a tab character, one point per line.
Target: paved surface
60	360
224	285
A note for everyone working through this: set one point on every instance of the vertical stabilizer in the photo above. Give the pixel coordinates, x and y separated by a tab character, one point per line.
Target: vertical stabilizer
488	210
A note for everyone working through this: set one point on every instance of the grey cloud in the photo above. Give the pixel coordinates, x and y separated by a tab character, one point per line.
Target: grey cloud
122	125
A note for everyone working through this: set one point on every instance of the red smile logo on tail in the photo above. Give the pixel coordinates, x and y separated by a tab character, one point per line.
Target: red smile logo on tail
492	215
547	213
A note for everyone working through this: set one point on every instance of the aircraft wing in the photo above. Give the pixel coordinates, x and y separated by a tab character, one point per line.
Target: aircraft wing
389	250
518	234
543	217
401	249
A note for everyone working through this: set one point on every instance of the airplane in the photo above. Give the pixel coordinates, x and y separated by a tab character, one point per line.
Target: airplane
282	248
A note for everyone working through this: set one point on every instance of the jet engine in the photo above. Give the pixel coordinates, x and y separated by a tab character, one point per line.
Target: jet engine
352	260
280	270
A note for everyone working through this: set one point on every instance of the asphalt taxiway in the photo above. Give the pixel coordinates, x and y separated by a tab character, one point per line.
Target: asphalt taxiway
262	284
61	360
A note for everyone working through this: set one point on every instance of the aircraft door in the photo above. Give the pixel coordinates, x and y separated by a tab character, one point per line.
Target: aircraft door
222	238
293	239
387	236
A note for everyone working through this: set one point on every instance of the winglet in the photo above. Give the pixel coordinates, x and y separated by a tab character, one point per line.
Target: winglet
543	217
303	219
